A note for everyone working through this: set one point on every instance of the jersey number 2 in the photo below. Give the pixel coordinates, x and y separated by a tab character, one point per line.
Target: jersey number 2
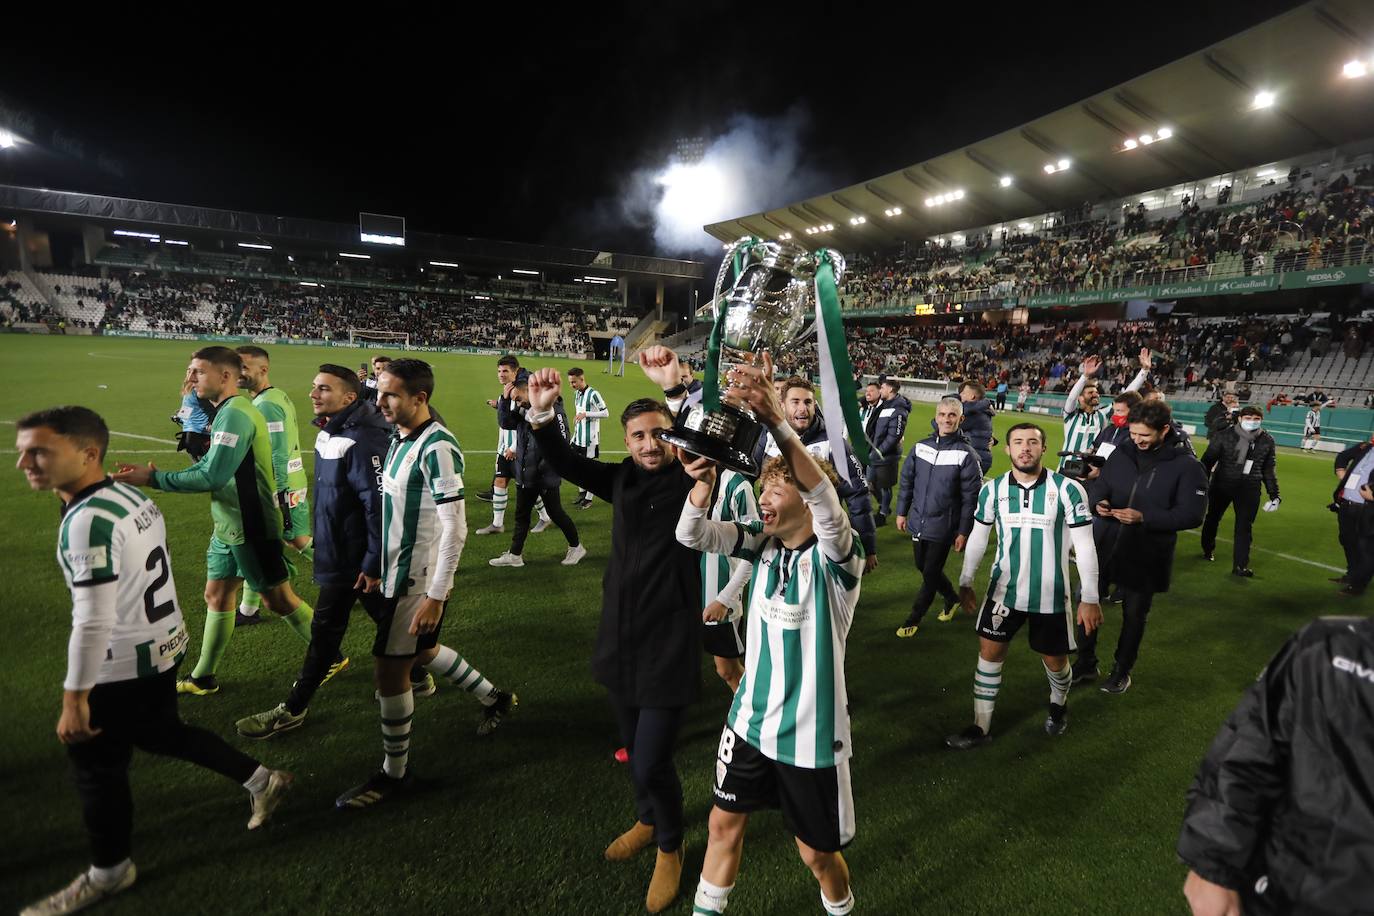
156	611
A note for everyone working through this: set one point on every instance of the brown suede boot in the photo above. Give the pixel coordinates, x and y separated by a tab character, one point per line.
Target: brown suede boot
663	887
630	842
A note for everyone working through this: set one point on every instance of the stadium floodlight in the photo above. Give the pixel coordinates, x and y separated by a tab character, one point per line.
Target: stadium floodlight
1050	169
600	279
7	140
442	264
137	235
1005	181
896	211
1352	70
256	245
175	242
784	237
1264	99
521	270
308	283
958	195
930	201
360	257
1130	143
829	227
483	298
1147	139
1265	173
857	220
1023	226
1164	133
1062	164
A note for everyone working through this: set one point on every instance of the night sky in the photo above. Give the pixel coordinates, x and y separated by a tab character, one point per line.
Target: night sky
525	128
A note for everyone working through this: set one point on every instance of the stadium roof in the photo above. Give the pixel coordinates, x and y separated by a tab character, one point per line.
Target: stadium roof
1207	100
239	226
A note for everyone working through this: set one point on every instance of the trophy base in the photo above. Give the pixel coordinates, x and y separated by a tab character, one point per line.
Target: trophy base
728	439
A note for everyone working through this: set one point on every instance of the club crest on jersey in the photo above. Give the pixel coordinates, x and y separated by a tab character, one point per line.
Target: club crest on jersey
804	567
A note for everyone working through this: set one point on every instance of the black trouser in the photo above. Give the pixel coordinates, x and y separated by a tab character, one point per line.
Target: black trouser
649	734
1246	498
327	628
930	560
1135	607
138	713
525	498
1359	547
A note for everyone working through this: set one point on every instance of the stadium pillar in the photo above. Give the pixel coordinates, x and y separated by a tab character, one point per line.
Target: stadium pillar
624	295
92	240
658	298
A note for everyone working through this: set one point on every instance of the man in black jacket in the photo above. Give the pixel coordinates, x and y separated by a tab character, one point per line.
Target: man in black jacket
1280	817
1238	459
1354	500
534	477
648	643
350	450
935	503
1143	497
1222	414
888	424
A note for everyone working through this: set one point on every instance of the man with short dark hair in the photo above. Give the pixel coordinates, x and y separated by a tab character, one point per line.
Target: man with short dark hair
590	409
977	422
507	370
648	643
1144	496
1223	413
1083	417
1354	500
369	380
126	642
246	545
889	426
1238	459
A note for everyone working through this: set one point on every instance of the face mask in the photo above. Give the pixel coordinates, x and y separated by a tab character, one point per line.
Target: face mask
1119	420
1250	425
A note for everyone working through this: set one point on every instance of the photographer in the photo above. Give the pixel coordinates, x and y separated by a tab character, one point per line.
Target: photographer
1142	498
1223	413
1237	459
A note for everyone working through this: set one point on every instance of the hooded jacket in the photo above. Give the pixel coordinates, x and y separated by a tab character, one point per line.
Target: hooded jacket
888	422
346	516
977	426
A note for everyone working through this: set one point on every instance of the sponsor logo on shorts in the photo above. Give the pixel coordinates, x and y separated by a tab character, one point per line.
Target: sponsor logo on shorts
226	439
725	796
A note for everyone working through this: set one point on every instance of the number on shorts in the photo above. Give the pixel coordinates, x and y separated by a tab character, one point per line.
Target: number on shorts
154	610
727	745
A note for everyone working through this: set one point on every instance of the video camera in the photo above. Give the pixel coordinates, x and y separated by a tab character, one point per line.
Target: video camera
1080	464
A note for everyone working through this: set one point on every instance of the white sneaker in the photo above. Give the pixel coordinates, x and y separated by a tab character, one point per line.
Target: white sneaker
78	895
492	529
507	559
574	555
265	802
542	525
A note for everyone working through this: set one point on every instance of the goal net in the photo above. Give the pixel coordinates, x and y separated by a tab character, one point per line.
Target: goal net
362	336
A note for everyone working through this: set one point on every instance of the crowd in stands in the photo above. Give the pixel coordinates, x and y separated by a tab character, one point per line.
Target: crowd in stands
1294	228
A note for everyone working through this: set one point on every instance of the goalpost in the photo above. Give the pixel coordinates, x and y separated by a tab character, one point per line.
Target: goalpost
362	336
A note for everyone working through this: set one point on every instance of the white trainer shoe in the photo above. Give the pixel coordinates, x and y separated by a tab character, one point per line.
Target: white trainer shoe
492	529
266	801
78	895
507	559
543	525
575	554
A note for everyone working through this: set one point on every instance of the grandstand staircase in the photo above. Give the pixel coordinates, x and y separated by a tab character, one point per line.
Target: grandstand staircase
40	285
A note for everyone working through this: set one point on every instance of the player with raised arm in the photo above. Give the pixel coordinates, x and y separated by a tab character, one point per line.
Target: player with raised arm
287	466
786	741
1038	515
1084	418
246	544
126	642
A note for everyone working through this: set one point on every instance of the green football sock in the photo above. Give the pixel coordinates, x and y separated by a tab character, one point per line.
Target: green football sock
250	603
299	620
219	626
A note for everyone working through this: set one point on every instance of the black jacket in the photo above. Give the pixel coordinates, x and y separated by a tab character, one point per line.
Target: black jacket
1169	487
888	422
346	518
531	469
977	426
1117	436
1218	416
854	493
1223	463
939	488
1287	788
648	644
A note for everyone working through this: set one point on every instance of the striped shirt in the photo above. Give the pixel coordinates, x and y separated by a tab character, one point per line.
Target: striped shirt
733	501
1312	423
1081	428
1031	570
587	431
112	533
792	704
421	471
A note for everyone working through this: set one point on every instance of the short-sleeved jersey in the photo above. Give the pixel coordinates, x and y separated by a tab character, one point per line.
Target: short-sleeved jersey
191	415
1031	570
587	431
285	436
1081	428
421	471
237	473
1312	423
792	704
732	501
113	533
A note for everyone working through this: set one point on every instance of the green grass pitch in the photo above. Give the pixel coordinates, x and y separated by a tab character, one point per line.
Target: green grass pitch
517	823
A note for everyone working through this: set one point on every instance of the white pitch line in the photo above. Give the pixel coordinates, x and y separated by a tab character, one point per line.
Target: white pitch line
137	359
1286	556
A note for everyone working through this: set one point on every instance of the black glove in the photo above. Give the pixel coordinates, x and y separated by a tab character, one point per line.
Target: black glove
284	501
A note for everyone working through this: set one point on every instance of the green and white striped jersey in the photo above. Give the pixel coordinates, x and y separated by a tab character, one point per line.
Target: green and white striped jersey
287	465
733	501
1031	570
587	431
421	472
113	534
791	704
1081	428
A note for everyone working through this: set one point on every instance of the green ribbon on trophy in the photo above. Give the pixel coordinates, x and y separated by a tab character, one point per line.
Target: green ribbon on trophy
710	383
839	405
